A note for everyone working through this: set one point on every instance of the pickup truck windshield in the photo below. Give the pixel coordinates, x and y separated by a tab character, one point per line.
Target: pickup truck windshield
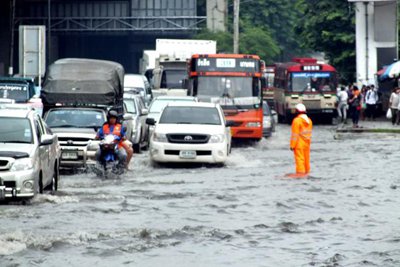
190	115
79	118
159	104
16	130
130	105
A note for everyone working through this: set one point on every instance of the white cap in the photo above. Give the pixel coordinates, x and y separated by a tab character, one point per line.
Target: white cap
300	107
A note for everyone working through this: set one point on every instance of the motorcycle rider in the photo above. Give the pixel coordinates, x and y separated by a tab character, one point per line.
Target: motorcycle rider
112	127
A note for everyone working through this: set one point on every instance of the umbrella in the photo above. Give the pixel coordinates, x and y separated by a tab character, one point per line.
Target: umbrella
390	72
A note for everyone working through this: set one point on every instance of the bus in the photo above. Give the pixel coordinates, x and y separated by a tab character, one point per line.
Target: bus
304	80
234	82
267	85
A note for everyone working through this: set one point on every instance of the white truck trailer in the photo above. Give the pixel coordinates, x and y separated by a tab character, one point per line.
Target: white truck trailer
171	65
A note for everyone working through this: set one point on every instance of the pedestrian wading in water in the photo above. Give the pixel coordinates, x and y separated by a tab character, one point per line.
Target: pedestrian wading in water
300	141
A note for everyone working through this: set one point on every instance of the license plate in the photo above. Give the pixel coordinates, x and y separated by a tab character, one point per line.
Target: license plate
187	154
69	155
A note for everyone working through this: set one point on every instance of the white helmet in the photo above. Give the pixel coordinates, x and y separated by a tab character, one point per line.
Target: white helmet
300	107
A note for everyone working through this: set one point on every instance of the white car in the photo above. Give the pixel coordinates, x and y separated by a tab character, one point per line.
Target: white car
138	84
160	102
190	132
29	154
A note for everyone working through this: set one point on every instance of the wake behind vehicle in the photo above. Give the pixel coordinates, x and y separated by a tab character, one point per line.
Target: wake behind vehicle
190	132
29	154
109	162
77	93
234	82
306	81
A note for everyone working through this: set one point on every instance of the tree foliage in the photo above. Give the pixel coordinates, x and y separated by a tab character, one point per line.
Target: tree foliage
280	30
328	26
266	29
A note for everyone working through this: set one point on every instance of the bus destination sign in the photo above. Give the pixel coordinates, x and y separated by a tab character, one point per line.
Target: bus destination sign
227	64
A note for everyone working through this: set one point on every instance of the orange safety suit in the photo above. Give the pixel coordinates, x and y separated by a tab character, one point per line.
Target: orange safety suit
116	131
300	142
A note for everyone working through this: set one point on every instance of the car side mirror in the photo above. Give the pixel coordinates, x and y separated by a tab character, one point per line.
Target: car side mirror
46	139
150	121
145	111
229	123
128	117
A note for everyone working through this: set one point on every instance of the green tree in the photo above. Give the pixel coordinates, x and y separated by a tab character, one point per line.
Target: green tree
266	29
328	26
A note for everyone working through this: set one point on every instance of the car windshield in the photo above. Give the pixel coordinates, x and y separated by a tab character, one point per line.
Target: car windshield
79	118
130	106
173	78
18	92
159	104
18	130
190	115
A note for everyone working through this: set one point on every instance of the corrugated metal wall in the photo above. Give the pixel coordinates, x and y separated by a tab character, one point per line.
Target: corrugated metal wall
139	8
83	9
159	8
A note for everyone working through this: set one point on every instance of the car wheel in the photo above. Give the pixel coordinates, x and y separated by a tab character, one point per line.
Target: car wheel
136	148
40	189
53	186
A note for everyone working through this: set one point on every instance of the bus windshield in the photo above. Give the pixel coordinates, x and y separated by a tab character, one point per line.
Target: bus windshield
312	82
229	90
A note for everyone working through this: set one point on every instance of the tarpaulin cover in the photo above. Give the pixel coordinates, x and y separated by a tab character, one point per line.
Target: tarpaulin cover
83	81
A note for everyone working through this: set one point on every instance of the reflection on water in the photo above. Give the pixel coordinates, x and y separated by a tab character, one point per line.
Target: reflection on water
244	214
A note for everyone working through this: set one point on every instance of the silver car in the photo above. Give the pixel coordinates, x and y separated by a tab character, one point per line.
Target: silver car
135	121
29	154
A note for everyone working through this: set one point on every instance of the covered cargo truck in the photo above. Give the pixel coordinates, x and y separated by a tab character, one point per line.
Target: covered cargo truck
76	95
76	81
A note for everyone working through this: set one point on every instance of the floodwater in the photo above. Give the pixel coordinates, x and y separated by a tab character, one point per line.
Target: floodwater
244	214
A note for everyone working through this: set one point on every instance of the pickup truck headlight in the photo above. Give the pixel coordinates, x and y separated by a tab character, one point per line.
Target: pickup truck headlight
216	138
22	164
253	124
159	137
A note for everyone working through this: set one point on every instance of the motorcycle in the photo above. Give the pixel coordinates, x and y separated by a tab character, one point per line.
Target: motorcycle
109	163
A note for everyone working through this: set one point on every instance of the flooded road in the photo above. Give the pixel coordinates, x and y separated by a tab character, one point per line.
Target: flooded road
244	214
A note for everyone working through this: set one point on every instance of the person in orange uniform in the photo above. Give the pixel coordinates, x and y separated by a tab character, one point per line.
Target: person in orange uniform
300	141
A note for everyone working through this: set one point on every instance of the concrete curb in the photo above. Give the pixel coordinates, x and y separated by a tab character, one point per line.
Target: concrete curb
366	130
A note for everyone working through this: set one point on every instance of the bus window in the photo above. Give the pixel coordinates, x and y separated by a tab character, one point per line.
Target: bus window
311	82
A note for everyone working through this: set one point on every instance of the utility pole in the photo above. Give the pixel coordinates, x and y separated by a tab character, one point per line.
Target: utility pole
48	31
236	5
11	66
